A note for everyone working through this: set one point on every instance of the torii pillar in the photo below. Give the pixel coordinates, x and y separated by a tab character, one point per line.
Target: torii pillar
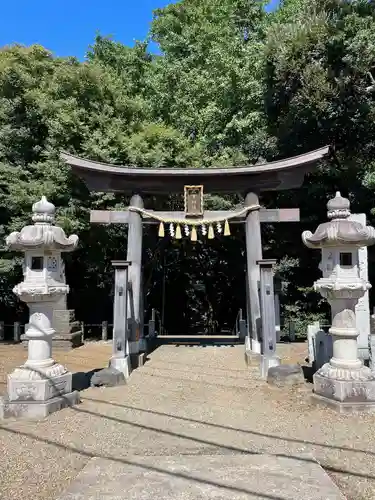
253	255
134	255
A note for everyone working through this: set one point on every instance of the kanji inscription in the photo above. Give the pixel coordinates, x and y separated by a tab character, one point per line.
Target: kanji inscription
193	201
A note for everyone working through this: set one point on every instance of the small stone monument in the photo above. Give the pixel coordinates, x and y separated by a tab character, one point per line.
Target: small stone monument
319	345
362	309
40	386
344	382
68	331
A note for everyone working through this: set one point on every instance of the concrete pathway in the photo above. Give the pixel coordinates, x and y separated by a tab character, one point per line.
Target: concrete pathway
204	477
187	401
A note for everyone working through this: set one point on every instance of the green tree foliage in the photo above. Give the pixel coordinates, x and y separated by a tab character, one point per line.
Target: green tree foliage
47	105
319	55
233	84
208	82
318	59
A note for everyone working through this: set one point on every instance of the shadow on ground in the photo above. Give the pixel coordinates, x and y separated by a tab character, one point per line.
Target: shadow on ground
82	380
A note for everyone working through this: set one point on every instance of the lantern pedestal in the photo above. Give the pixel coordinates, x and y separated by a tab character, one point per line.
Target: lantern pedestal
344	396
36	409
344	383
40	386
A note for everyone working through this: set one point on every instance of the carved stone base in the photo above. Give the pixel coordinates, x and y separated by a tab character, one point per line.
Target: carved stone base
345	395
122	365
267	362
360	373
36	409
344	407
42	389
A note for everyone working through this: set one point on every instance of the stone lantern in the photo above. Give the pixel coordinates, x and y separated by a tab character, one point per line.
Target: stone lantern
344	382
41	385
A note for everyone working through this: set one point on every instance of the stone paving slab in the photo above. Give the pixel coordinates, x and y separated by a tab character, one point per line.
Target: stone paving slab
230	477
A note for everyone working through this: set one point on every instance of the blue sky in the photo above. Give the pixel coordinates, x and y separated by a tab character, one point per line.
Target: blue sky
68	27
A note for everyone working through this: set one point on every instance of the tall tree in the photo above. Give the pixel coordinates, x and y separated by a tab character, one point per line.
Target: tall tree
48	104
318	57
233	83
207	84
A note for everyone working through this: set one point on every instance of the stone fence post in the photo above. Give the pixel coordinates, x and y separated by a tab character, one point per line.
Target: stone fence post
120	359
17	331
267	303
104	331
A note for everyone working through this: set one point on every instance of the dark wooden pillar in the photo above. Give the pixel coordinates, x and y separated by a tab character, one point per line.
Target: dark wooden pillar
134	255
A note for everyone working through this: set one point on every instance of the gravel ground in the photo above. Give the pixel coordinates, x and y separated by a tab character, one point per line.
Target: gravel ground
185	400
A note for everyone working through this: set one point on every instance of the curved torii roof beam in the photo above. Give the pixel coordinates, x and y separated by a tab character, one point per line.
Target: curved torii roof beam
273	176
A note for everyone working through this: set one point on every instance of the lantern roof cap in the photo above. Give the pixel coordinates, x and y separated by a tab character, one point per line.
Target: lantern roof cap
43	234
338	207
43	211
340	230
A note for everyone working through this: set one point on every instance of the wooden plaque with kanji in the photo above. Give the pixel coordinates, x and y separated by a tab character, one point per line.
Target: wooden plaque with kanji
193	201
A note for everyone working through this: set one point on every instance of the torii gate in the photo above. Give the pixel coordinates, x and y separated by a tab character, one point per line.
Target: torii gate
249	180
